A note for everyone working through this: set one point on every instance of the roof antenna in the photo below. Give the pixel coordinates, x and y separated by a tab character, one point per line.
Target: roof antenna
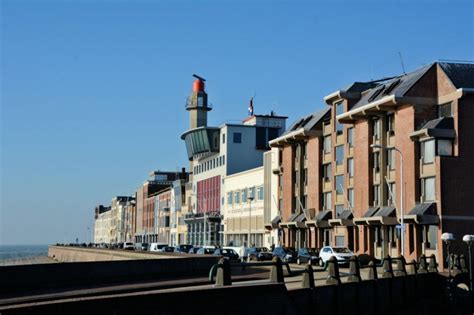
401	61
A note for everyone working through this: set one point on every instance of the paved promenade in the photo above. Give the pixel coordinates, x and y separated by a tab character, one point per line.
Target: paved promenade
28	261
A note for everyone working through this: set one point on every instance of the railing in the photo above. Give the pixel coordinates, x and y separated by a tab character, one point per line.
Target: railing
221	272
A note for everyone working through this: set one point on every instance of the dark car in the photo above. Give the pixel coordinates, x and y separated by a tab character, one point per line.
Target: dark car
167	249
206	251
227	253
307	255
259	253
286	254
183	248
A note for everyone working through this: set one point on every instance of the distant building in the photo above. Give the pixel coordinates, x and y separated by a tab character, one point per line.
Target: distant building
216	152
102	224
243	209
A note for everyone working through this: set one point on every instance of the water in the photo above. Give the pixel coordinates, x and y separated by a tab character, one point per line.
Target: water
13	252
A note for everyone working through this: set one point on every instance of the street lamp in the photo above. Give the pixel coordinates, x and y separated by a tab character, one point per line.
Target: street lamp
250	199
402	209
447	238
469	239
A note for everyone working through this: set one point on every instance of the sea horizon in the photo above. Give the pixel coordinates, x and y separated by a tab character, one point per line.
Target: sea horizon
13	252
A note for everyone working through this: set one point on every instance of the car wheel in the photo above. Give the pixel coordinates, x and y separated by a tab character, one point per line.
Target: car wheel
298	261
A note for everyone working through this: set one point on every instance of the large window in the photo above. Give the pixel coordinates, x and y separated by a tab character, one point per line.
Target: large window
237	137
445	147
445	110
327	172
260	193
339	184
244	195
428	151
327	201
350	137
376	195
229	198
327	144
376	128
339	154
428	189
432	237
350	167
391	159
377	161
236	197
252	192
392	197
339	111
391	124
350	197
339	209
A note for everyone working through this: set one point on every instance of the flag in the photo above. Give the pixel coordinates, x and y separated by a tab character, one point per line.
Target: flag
251	107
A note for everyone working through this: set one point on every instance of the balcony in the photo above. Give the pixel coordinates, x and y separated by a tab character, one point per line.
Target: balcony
189	105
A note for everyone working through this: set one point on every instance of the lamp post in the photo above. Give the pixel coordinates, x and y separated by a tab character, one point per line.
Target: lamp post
250	199
402	208
447	238
469	239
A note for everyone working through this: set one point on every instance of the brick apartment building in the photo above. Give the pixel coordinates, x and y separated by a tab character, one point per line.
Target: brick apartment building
337	188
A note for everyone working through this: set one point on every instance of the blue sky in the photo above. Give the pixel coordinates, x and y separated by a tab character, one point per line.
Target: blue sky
93	92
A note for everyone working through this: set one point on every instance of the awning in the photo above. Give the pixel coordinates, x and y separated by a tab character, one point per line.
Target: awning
343	219
321	220
422	213
274	224
387	215
295	220
369	213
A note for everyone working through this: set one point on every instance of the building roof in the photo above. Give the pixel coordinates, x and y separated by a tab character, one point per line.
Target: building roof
386	211
460	74
427	208
346	215
307	122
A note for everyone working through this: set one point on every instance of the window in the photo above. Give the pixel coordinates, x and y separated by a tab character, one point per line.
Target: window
445	110
339	209
339	111
327	144
260	193
391	124
376	195
327	201
237	137
339	184
377	161
340	241
327	172
432	237
236	197
305	176
223	138
376	128
428	189
229	198
339	154
445	147
350	167
350	137
244	195
428	151
391	159
350	197
391	194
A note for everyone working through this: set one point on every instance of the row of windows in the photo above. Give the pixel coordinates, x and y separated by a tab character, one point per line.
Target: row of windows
327	201
327	170
209	165
243	195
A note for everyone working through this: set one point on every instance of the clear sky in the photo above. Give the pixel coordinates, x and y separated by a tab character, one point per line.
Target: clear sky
93	92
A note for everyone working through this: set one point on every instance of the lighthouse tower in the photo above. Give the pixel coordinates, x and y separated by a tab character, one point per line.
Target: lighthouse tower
197	104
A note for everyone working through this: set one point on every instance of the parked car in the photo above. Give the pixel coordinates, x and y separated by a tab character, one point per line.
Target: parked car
259	253
342	254
156	247
286	254
227	253
306	255
183	248
167	249
206	251
141	246
194	250
128	246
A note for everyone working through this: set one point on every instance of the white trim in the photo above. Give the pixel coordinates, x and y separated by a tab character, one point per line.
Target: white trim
385	99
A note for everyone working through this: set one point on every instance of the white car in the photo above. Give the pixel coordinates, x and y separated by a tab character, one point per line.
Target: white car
156	247
342	254
128	245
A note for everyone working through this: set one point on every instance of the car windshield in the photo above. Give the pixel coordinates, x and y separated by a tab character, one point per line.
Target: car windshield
341	250
228	251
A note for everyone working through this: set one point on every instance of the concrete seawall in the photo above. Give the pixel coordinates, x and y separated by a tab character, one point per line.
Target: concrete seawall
78	254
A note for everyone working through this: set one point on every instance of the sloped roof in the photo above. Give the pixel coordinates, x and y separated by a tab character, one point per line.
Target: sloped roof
460	74
307	122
